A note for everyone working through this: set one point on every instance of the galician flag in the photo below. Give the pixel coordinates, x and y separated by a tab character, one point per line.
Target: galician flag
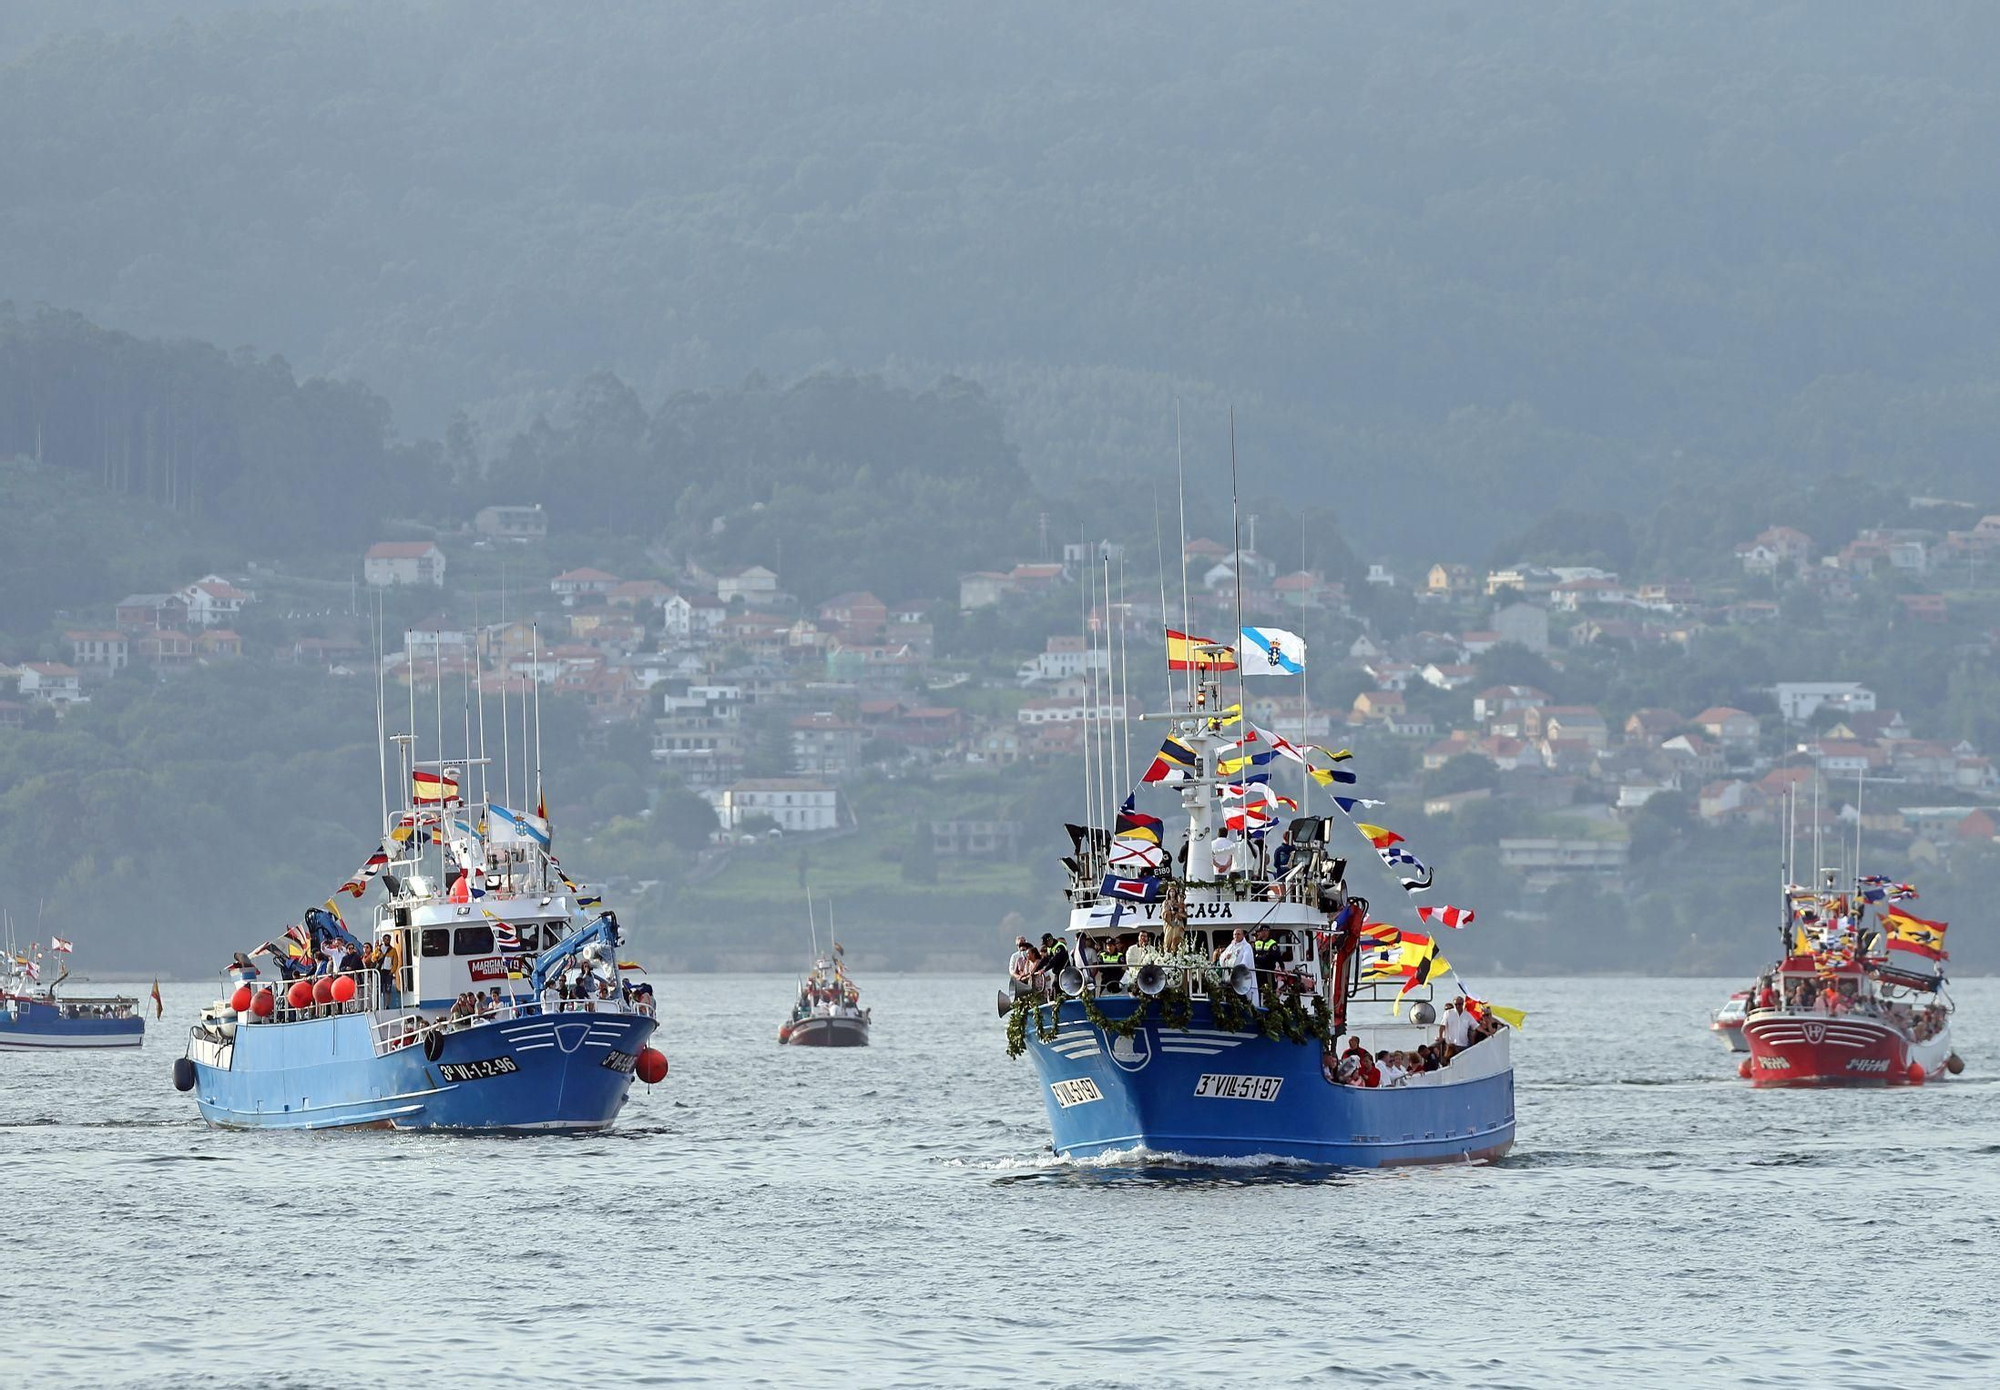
1272	651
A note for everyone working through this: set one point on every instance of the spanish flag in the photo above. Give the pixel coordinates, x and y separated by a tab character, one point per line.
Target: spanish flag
1185	653
432	787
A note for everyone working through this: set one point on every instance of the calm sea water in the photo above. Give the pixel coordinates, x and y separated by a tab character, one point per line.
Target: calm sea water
891	1217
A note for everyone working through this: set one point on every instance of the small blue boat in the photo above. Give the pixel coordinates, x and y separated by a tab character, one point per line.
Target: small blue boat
1157	1028
487	994
34	1017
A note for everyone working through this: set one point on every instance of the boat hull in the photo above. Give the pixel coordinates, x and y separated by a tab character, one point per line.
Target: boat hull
828	1032
39	1029
1731	1033
1793	1049
569	1071
1211	1093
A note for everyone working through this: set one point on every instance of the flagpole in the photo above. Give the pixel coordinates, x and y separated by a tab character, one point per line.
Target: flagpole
1124	679
506	741
540	800
1236	527
1160	559
1089	803
381	717
1187	620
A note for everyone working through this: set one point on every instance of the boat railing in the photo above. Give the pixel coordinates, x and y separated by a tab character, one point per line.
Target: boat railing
367	999
411	1027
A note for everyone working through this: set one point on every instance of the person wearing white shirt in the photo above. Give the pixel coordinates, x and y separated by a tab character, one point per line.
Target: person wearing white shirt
1458	1025
1239	952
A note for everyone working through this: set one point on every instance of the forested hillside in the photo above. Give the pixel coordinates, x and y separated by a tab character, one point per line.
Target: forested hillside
1451	262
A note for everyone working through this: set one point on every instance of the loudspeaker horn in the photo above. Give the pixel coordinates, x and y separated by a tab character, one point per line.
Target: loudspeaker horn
1070	982
1150	979
1243	979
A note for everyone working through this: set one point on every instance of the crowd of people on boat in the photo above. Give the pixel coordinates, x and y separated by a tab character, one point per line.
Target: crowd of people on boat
1458	1030
116	1008
829	994
1111	962
1832	998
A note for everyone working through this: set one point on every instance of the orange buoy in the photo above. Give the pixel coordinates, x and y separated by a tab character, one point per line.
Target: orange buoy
322	990
343	988
300	994
240	1000
652	1066
263	1004
1743	1068
1916	1073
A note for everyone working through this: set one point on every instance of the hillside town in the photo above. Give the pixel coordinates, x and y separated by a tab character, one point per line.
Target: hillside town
769	705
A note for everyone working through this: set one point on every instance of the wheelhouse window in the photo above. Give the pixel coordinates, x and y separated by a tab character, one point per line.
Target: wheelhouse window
472	941
434	941
531	937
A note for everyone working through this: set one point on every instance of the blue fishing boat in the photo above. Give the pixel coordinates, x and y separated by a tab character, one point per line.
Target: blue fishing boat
485	993
34	1016
1236	1001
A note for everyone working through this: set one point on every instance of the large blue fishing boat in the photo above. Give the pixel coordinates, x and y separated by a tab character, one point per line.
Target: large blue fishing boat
487	993
34	1016
1237	1004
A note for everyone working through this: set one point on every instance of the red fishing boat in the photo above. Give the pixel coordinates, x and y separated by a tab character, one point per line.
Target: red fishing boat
1853	1003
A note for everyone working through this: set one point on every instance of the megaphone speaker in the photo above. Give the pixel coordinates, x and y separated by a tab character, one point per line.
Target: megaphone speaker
1070	982
1243	979
1150	979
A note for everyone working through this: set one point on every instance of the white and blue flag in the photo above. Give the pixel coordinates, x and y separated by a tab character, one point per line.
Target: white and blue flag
507	827
1272	651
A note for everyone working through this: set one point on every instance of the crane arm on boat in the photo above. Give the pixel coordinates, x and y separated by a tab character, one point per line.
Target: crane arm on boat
603	931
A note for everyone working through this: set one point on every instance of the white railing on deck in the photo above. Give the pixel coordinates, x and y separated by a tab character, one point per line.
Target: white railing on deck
411	1027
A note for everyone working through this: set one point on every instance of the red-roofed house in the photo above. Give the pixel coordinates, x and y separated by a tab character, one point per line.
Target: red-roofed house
638	593
98	652
50	683
389	563
1732	728
212	601
219	644
580	583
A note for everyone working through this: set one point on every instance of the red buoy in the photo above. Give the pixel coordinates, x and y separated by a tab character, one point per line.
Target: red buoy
343	988
1743	1068
784	1032
323	990
1916	1073
652	1066
263	1004
300	994
240	1000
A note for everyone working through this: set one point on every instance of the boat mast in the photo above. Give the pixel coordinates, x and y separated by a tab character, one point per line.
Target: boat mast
381	714
1089	802
1180	463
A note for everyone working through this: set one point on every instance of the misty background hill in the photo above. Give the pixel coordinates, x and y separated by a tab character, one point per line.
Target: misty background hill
879	294
1422	248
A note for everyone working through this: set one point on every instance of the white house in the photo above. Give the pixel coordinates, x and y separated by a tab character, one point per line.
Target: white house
1062	658
51	683
212	601
389	563
1797	700
797	804
753	584
572	585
